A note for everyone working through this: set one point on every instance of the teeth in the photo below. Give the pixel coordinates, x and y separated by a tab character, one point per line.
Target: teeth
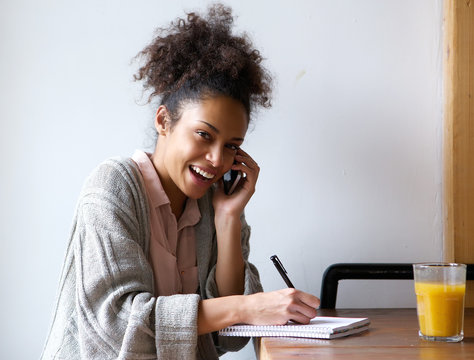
202	172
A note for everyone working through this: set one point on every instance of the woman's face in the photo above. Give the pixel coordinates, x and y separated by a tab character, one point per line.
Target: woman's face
200	147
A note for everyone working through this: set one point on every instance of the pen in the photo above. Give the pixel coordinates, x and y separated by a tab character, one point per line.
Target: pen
281	270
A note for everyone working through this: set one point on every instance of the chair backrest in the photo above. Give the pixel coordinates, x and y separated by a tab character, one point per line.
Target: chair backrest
346	271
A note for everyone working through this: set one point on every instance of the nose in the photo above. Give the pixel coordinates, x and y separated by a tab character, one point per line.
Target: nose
215	156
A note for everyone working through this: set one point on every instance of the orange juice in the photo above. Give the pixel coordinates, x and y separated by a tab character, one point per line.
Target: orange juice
440	308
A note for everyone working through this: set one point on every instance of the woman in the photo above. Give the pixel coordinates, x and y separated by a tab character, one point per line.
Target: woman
157	259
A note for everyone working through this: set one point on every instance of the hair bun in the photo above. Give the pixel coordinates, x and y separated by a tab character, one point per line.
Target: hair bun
200	56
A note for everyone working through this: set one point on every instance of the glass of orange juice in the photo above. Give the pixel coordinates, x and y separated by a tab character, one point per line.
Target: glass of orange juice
440	289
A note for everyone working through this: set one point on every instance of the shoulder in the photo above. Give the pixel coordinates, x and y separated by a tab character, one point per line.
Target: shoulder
115	168
114	172
116	177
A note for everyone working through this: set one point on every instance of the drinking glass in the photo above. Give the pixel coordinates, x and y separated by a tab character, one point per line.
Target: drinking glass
440	289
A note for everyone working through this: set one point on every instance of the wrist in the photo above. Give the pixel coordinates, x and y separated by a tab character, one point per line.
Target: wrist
218	313
236	311
227	221
243	309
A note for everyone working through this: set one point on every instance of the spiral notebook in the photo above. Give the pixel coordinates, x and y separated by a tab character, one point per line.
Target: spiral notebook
320	327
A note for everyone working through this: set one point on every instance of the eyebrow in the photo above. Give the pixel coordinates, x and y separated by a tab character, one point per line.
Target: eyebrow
218	132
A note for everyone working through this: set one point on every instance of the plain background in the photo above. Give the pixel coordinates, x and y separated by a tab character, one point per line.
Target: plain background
351	152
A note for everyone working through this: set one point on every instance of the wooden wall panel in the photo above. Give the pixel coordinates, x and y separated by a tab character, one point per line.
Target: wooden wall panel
459	134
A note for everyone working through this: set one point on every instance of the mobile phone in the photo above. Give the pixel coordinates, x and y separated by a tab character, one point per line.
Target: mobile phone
231	179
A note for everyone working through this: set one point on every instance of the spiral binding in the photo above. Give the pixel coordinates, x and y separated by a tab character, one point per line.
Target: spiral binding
341	327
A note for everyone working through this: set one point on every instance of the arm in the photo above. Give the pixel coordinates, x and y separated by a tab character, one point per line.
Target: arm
230	262
233	274
117	314
229	222
272	308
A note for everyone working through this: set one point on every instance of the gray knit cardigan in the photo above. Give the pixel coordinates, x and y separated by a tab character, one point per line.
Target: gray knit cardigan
105	307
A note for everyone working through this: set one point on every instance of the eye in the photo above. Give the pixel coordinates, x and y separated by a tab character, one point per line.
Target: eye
232	147
203	134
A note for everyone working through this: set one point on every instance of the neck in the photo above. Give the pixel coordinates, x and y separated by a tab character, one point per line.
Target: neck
177	206
176	197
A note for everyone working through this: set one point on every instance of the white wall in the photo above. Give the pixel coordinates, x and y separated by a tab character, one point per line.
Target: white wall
350	153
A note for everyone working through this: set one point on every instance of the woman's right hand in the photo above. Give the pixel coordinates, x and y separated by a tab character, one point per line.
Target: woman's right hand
278	307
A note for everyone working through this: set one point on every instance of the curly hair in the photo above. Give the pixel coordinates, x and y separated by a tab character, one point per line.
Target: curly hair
199	57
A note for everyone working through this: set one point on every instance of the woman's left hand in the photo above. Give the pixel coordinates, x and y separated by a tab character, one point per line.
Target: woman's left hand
235	204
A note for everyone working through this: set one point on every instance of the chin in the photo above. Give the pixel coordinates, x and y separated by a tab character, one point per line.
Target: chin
196	188
197	194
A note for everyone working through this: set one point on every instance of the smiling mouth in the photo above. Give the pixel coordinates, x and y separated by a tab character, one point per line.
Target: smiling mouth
201	173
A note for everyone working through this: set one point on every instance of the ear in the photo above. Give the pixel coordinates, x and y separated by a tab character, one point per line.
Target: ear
162	122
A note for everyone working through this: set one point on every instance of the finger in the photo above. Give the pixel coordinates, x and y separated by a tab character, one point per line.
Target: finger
245	168
248	167
250	177
309	299
299	318
247	160
305	304
305	310
242	152
252	170
245	156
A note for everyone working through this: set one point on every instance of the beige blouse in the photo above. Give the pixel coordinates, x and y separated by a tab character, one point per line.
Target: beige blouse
172	244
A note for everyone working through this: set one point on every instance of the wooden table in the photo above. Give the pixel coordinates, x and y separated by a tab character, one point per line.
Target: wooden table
393	334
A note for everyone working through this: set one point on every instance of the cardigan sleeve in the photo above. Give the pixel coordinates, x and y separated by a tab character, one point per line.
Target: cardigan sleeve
117	314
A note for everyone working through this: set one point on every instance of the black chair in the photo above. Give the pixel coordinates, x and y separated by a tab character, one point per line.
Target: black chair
347	271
